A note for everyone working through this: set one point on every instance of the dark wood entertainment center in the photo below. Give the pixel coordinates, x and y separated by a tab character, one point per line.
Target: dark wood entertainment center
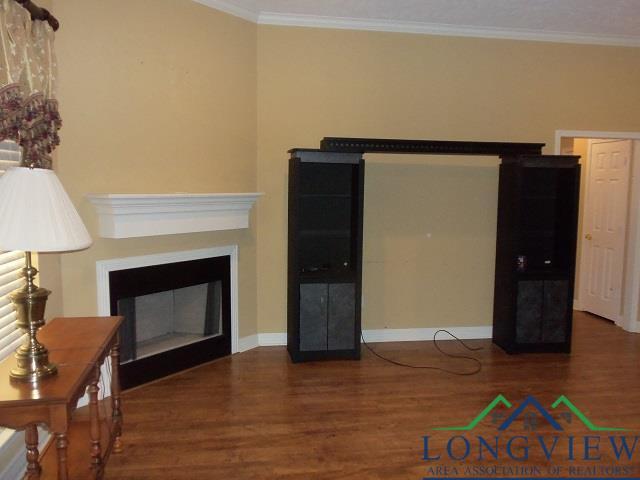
535	246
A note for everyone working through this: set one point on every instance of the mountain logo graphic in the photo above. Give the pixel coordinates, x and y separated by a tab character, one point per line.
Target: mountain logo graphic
531	402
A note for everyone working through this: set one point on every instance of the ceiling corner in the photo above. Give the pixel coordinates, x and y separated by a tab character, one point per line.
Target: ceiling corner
231	9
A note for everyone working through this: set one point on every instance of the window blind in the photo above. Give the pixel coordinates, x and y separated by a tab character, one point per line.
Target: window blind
11	264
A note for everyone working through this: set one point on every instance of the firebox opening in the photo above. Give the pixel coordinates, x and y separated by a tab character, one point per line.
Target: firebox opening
166	320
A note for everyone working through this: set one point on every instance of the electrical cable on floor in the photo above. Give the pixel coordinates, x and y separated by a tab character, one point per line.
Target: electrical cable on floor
432	367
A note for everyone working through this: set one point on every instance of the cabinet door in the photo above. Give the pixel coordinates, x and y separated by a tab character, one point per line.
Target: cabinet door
342	313
313	316
542	311
529	311
554	319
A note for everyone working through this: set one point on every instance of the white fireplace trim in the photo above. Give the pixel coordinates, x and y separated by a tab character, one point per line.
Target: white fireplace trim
103	267
144	215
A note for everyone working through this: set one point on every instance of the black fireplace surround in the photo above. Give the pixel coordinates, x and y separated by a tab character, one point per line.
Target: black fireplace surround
135	282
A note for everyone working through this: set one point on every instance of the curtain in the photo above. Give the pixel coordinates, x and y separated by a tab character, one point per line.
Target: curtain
28	110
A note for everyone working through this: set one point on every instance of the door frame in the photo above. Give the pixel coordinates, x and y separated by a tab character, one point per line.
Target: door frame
630	318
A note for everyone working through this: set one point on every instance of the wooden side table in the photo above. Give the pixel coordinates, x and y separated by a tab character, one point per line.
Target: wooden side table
78	346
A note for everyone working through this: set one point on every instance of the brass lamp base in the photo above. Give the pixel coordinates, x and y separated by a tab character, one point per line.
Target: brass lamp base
32	358
32	368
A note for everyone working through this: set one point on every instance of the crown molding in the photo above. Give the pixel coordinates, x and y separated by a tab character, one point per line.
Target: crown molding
231	9
347	23
314	21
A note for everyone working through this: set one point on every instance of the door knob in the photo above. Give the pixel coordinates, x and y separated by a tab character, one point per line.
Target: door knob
588	236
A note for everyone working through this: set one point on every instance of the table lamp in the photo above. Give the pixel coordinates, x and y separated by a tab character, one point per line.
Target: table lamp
36	215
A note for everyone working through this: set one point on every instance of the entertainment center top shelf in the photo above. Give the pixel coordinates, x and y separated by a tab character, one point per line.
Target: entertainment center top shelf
432	147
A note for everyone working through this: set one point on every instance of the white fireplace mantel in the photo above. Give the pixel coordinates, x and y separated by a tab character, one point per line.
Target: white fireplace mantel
143	215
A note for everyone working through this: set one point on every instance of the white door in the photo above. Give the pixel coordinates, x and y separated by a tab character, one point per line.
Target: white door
604	231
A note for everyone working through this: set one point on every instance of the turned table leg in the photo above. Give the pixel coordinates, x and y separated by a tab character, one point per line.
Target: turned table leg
115	398
94	414
61	446
31	441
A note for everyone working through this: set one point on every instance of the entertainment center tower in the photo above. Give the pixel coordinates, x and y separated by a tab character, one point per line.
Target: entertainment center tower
535	247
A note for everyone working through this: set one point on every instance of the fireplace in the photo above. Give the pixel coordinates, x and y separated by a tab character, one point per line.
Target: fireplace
170	319
177	311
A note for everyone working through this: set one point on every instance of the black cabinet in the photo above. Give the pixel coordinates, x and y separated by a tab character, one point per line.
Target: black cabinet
325	254
535	253
327	313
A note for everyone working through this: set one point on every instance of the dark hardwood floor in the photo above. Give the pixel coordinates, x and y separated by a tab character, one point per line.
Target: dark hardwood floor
258	416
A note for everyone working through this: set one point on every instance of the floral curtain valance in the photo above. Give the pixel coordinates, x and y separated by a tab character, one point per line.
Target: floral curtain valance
28	111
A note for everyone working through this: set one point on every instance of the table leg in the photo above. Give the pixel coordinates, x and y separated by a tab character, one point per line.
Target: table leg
61	446
33	455
115	398
94	414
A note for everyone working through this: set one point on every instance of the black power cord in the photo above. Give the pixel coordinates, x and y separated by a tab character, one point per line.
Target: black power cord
432	367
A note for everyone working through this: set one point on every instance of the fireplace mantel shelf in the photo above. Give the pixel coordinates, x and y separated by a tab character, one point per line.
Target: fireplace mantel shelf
143	215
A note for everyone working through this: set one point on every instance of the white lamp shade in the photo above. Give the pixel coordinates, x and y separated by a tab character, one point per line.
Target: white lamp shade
36	214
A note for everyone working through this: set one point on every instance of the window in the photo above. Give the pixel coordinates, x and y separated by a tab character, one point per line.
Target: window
11	264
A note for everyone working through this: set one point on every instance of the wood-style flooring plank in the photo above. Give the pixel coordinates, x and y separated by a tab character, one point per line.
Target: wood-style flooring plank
256	415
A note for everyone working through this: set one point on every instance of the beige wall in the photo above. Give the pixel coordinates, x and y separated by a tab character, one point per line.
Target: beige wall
156	96
429	241
314	83
169	95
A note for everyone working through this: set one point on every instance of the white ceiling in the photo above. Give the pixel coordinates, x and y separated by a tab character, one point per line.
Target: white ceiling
608	22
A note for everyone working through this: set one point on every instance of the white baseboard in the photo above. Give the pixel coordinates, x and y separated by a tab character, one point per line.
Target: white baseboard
421	334
272	339
380	335
247	343
261	340
634	327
